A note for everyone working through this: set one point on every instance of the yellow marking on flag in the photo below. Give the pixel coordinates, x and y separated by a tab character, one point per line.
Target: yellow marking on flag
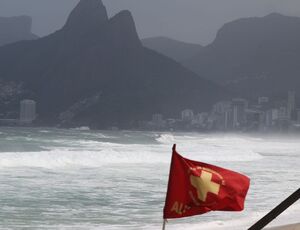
204	185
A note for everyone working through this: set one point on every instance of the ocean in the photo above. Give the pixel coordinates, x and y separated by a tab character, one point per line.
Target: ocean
108	180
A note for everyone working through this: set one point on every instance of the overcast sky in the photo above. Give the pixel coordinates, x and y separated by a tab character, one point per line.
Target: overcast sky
194	21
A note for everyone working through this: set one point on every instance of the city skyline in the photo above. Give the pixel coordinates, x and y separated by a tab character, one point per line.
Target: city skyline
237	114
96	65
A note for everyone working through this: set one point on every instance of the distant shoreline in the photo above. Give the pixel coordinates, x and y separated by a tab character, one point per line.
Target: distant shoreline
86	128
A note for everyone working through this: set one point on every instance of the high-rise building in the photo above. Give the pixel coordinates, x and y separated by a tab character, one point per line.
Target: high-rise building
158	121
223	111
27	111
221	107
239	107
187	115
291	105
263	100
157	118
283	113
200	118
272	116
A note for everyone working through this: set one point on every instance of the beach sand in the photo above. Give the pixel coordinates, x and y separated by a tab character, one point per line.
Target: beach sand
287	227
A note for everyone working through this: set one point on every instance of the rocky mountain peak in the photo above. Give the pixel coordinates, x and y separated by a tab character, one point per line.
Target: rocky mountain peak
87	14
124	30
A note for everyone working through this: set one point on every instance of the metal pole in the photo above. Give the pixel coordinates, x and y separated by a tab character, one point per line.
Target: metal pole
276	211
164	224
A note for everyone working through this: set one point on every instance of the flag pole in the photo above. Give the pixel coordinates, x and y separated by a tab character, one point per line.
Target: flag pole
164	224
165	220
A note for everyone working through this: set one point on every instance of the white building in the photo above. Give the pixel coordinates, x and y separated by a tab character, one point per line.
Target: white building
187	115
221	107
223	111
263	100
239	107
200	119
272	116
27	111
283	113
157	118
291	104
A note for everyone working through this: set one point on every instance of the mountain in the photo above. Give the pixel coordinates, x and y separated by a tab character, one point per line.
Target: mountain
256	56
177	50
14	29
95	72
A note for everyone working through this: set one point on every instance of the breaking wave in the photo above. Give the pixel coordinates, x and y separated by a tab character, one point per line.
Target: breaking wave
82	128
165	138
115	154
99	149
64	158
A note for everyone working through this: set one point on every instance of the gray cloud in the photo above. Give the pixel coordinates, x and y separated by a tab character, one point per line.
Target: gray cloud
188	20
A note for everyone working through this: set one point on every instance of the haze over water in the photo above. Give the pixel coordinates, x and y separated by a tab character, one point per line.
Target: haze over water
75	179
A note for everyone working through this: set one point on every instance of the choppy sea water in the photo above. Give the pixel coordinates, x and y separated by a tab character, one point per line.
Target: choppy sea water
74	179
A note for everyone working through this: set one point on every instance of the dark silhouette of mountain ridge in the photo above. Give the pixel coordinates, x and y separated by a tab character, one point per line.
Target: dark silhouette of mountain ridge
99	74
177	50
253	55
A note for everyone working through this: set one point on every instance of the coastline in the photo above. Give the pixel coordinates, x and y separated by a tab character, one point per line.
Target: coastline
286	227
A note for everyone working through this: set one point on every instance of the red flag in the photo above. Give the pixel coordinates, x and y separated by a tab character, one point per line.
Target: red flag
196	188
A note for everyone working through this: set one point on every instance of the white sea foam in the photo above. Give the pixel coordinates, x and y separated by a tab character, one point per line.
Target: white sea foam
233	224
44	131
212	149
79	182
82	128
94	154
62	158
165	138
288	217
